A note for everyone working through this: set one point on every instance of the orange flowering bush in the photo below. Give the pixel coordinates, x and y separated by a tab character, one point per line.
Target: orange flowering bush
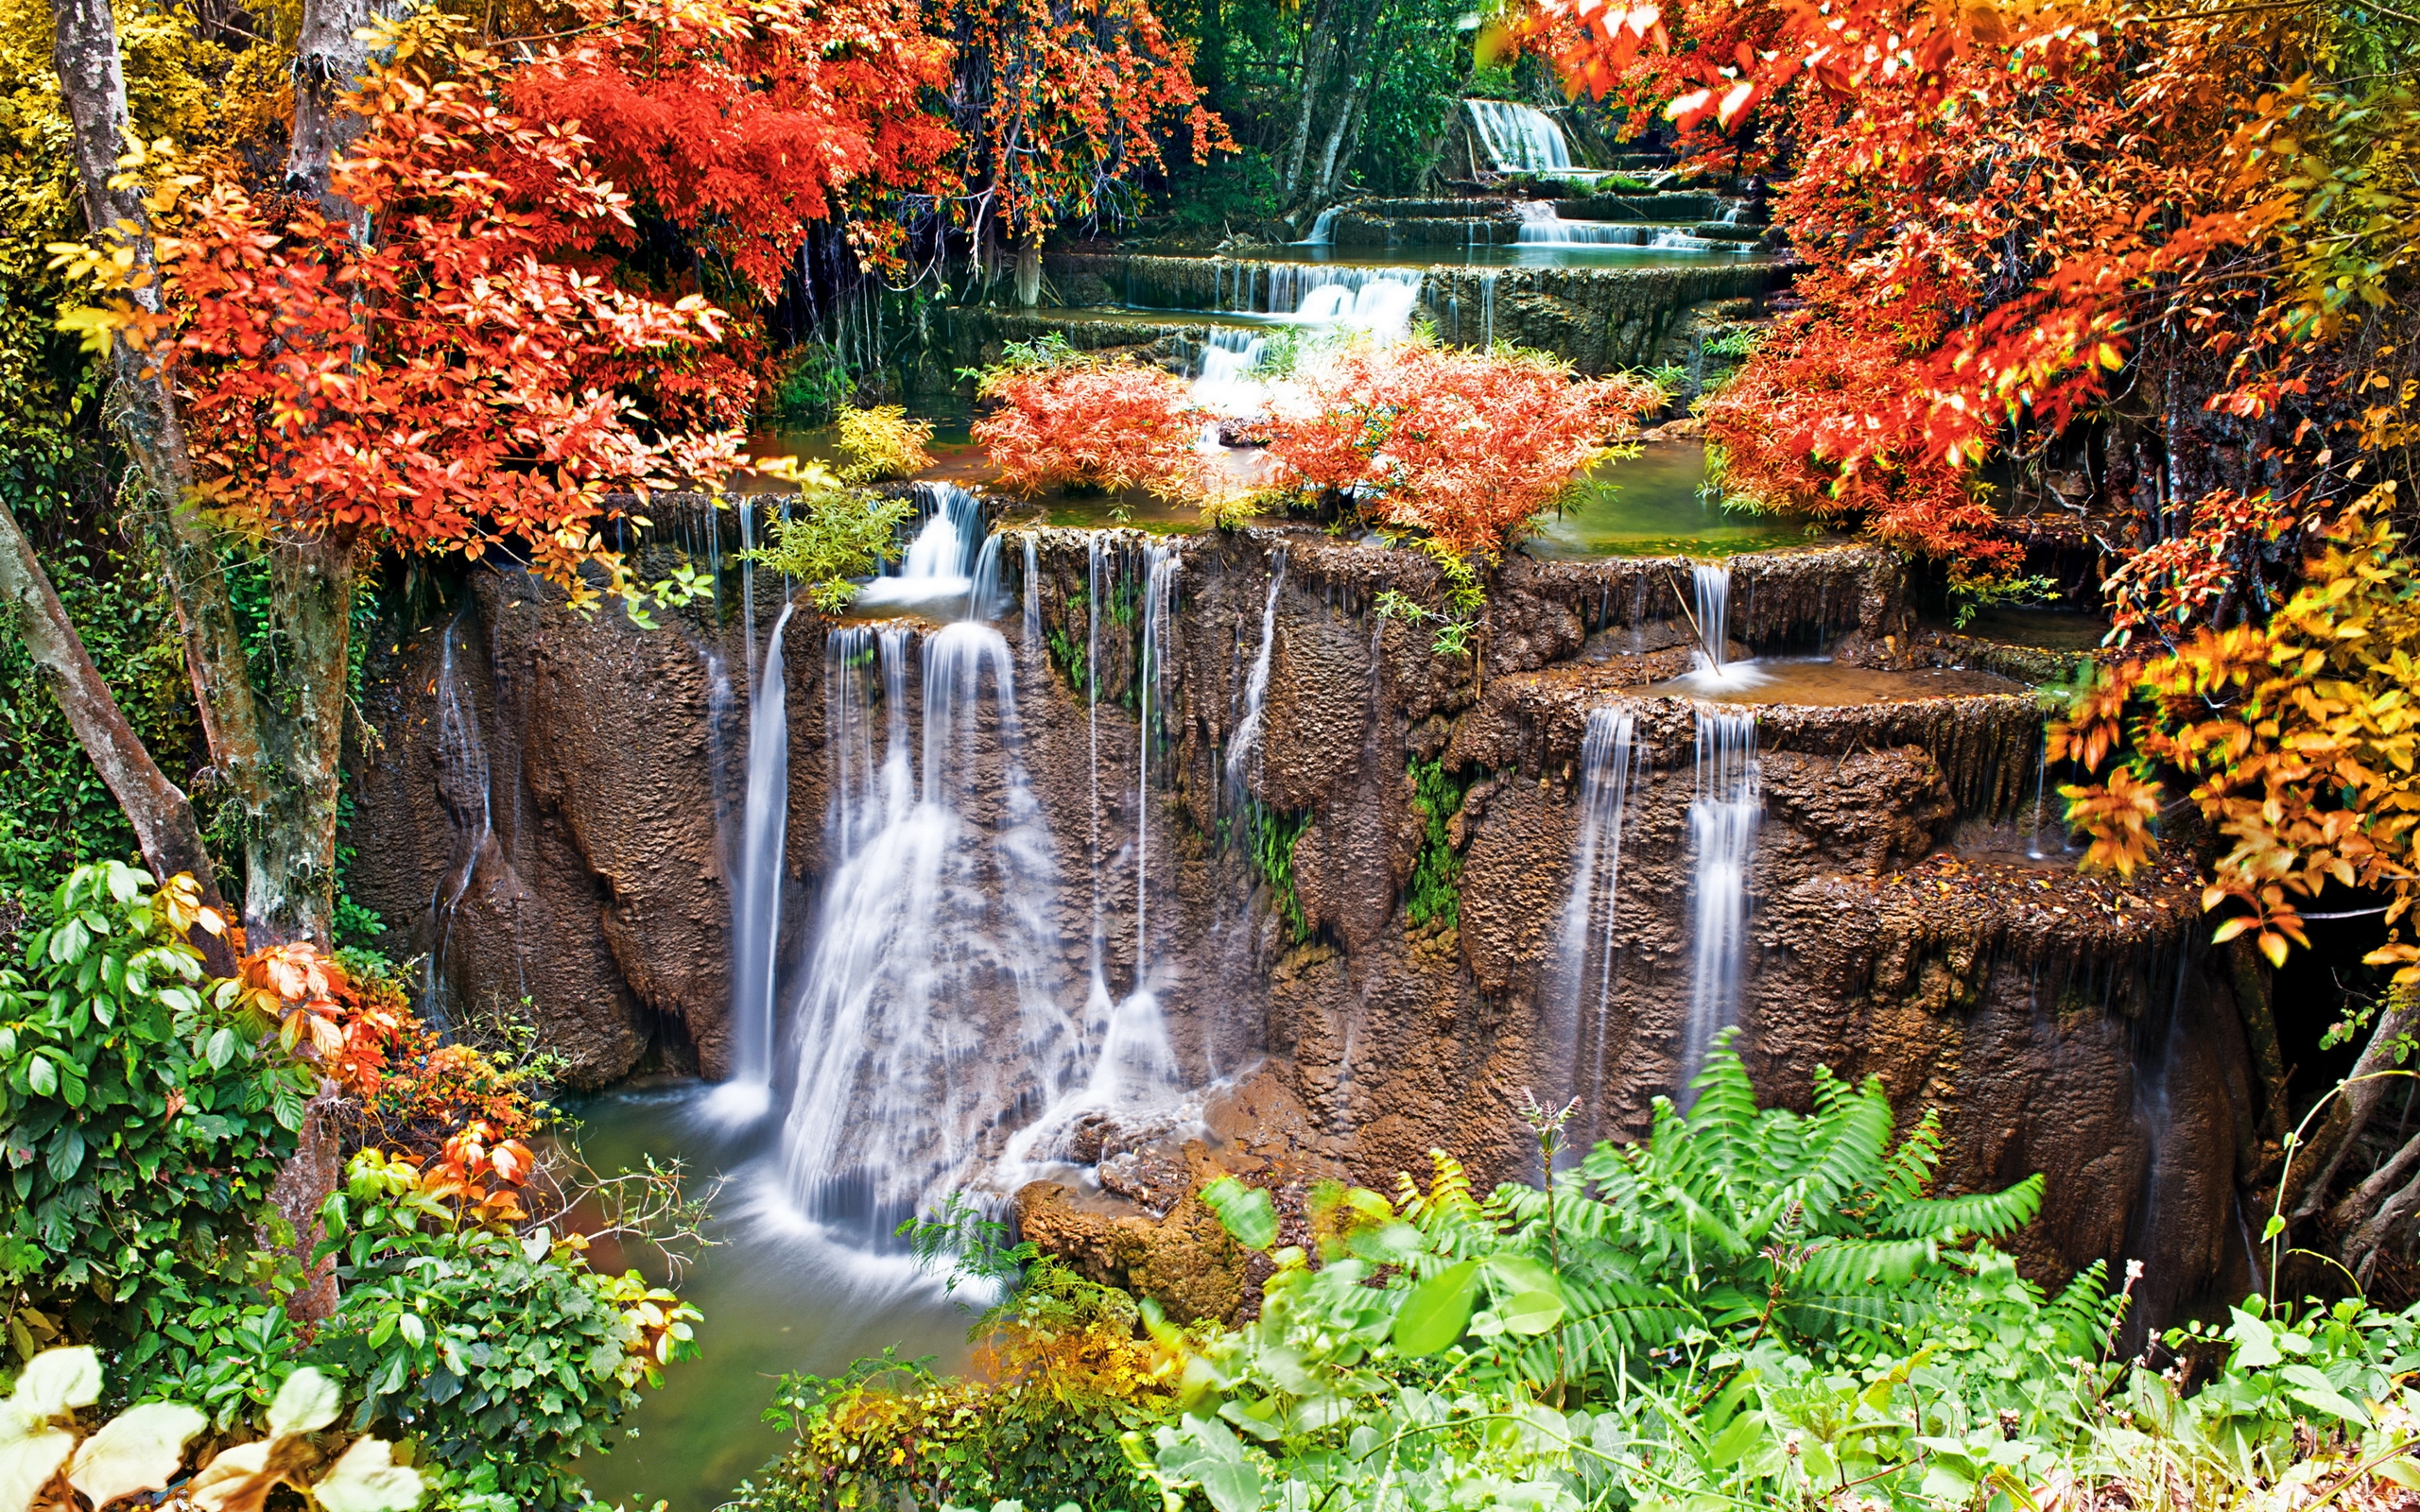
1090	424
1466	447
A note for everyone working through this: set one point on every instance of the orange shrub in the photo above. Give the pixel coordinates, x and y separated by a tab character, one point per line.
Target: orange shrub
1091	423
1465	446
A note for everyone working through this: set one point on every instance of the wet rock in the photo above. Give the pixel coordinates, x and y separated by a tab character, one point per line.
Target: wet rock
1185	1262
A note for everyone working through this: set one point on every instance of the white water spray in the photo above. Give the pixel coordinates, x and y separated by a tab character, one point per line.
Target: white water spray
756	893
1610	759
1722	835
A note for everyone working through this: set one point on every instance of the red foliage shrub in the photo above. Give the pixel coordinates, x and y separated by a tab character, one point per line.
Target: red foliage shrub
1465	446
744	122
1097	424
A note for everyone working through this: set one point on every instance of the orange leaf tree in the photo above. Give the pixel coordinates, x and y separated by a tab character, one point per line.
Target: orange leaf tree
449	383
747	122
1090	422
2042	231
1463	447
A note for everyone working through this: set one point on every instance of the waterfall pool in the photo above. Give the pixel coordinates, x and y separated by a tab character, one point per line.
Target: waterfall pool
1653	505
1821	682
777	1296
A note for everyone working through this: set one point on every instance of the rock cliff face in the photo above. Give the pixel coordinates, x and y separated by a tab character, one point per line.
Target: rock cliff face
2058	1025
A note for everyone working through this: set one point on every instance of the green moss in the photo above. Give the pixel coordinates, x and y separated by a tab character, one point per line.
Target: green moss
1436	892
1272	838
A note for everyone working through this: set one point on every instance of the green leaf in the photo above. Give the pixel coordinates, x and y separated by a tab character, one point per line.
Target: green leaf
66	1154
306	1404
1733	1443
41	1074
1233	1485
2254	1342
1244	1212
220	1050
2276	1226
57	1382
1531	1312
1437	1311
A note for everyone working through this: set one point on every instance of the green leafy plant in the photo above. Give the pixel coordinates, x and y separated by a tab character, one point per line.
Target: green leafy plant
1972	592
1272	838
882	444
142	1125
1435	895
831	535
504	1352
813	381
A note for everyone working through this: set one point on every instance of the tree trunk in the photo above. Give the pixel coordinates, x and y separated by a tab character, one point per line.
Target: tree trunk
1361	76
163	817
1319	44
1029	270
290	858
2306	1183
328	63
143	410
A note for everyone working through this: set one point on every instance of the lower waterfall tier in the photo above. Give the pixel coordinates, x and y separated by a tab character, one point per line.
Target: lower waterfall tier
1416	890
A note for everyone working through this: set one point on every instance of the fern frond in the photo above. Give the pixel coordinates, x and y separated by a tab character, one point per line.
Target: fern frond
1908	1172
1989	1214
1840	1264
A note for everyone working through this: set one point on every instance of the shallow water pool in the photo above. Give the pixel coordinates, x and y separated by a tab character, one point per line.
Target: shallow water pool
778	1296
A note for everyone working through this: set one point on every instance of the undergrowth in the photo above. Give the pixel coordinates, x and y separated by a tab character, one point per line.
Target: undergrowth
1435	893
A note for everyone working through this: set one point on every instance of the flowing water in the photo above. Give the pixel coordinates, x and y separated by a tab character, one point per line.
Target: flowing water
936	577
1611	759
1520	139
1723	816
1246	741
756	893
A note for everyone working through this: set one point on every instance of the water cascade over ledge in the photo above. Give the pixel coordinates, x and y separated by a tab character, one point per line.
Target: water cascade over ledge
756	891
1723	816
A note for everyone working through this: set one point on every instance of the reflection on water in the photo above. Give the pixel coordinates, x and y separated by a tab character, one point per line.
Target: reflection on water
2046	630
1529	254
1652	505
1826	683
777	1296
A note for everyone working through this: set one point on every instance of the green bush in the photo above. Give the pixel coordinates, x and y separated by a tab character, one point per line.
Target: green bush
141	1128
1435	893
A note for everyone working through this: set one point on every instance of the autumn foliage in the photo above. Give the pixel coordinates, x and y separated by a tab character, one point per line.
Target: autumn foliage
1464	447
2294	740
2048	232
746	122
1091	423
447	388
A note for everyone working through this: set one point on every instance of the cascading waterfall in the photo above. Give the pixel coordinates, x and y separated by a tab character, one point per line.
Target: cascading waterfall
1723	815
1710	585
465	783
1097	574
932	950
756	893
1224	384
1487	309
1246	742
1377	299
1520	139
939	572
1030	624
1136	1064
1323	229
1610	759
1541	226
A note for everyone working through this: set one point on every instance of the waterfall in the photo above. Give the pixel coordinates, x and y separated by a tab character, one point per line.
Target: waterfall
1224	384
1323	229
1487	309
1377	299
1521	140
756	893
1247	737
1098	574
1541	226
1610	760
941	563
926	1010
2041	777
986	601
465	785
1136	1065
1722	835
1711	589
1032	599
